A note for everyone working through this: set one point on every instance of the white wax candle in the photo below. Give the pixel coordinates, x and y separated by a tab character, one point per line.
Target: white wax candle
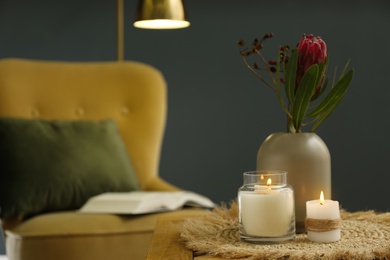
266	213
328	209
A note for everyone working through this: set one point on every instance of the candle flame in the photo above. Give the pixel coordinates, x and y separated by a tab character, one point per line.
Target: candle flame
261	177
269	182
322	200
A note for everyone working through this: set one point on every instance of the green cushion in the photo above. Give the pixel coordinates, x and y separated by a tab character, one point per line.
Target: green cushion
48	165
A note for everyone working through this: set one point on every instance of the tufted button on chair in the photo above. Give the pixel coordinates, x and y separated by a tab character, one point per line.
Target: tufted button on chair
131	93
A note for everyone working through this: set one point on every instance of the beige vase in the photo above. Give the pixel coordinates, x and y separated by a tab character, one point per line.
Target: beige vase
306	158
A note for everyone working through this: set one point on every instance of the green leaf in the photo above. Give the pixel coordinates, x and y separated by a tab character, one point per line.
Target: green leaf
336	93
290	75
332	100
304	93
324	86
344	70
321	74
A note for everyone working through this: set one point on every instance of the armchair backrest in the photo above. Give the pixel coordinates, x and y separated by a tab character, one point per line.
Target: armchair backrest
132	93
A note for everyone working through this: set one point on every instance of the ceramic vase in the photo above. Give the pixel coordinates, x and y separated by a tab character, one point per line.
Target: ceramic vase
306	158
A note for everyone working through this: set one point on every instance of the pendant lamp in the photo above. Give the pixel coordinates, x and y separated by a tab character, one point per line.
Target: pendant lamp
161	14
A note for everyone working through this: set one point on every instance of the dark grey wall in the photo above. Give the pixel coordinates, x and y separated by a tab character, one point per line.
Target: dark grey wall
219	113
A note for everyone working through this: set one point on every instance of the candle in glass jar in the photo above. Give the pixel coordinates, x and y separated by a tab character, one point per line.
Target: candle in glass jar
266	212
323	220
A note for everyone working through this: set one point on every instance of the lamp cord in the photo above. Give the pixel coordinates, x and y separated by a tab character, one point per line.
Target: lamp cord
120	31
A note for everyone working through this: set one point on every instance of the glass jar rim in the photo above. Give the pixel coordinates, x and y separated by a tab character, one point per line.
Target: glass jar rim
275	178
265	173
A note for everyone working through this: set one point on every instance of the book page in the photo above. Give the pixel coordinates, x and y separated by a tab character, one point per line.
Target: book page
141	202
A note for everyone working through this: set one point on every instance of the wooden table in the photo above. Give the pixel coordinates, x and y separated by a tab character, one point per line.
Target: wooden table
166	241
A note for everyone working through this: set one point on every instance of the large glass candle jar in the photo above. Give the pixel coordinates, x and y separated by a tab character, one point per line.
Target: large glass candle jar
266	208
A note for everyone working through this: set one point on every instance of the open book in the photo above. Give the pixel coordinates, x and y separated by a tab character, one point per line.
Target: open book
141	202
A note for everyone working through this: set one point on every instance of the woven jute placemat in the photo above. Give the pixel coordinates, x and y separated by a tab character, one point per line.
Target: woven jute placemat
364	235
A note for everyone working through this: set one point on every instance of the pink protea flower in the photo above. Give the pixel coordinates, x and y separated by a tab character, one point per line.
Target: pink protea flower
308	62
311	50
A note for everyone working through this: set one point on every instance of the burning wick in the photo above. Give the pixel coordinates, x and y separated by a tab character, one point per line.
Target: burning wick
269	182
322	198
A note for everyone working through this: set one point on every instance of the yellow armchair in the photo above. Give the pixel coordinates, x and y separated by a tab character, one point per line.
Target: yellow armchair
131	93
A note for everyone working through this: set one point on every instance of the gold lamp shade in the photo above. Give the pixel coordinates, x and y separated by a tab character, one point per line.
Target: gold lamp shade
161	14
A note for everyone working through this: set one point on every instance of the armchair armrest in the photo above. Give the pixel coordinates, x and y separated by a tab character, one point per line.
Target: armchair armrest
158	184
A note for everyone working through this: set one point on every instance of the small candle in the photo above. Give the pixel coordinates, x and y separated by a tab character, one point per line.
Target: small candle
323	220
266	212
